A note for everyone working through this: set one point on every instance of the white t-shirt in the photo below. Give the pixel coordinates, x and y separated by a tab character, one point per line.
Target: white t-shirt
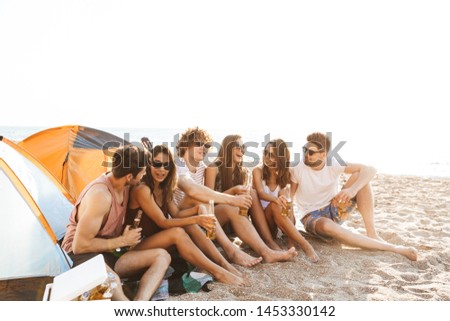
198	177
315	189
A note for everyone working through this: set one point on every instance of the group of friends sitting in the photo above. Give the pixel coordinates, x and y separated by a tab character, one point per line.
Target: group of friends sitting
171	193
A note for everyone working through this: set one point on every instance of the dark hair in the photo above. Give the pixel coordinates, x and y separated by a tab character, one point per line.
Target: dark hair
321	140
169	183
190	136
128	159
283	160
228	175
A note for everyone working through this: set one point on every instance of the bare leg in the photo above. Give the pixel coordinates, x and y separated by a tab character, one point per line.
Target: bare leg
235	254
288	227
327	227
209	249
365	203
270	221
190	252
154	261
247	233
260	222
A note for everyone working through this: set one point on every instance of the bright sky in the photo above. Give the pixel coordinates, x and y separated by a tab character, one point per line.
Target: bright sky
362	68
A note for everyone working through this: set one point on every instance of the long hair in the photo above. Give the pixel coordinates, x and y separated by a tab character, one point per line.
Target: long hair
229	177
168	185
283	157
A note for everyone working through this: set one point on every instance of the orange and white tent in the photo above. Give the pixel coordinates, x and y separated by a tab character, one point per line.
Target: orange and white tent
75	155
34	212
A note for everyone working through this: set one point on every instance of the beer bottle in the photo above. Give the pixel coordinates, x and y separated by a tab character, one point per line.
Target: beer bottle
98	293
288	209
137	220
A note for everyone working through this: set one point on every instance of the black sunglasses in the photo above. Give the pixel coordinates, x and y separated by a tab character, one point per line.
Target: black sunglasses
239	145
200	144
166	165
310	151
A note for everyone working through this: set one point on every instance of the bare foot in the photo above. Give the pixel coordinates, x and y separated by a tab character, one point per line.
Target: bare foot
375	236
310	253
243	259
271	256
230	268
229	278
408	252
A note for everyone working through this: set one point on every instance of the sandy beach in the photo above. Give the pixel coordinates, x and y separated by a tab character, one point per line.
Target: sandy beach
411	211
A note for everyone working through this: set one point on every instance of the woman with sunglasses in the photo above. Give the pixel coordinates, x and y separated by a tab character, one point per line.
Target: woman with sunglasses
225	175
155	198
270	179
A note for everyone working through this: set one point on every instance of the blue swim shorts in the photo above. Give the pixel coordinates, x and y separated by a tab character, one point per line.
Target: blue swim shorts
336	212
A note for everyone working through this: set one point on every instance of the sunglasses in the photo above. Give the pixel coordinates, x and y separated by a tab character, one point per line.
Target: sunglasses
166	165
310	152
200	144
242	147
268	154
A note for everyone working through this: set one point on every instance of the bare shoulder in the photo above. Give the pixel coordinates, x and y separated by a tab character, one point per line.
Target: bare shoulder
97	201
99	192
141	188
141	191
257	170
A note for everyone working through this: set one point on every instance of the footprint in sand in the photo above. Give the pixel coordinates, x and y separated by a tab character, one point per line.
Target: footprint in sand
423	293
409	277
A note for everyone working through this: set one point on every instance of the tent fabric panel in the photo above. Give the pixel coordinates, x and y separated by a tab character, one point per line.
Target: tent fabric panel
73	154
90	138
20	188
49	148
85	166
55	206
26	248
53	172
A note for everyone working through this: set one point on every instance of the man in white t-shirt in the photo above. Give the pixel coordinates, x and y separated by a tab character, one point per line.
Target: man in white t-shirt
323	207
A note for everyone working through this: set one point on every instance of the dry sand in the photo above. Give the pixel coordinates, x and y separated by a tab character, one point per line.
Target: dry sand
411	211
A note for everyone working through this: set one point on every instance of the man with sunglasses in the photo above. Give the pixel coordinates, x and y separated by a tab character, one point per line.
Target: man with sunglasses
323	208
192	147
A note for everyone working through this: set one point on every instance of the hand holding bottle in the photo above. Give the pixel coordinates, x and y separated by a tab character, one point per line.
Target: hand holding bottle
208	212
131	236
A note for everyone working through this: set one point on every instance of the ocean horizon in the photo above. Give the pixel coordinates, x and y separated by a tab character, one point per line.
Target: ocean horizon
351	150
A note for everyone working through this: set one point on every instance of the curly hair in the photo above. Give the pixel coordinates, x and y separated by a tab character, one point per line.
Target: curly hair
321	140
190	136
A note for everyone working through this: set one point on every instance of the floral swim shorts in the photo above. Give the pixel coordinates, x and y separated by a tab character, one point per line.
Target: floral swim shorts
337	212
